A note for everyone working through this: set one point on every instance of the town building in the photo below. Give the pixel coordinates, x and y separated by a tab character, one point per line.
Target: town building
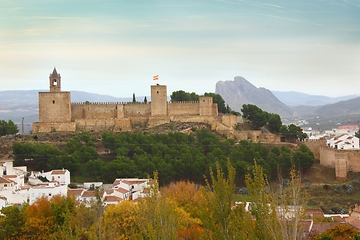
343	141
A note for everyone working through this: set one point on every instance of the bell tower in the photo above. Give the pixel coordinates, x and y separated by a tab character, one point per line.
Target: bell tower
55	81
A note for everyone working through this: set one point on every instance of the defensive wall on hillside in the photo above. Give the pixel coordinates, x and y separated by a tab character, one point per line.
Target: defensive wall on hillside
343	161
58	113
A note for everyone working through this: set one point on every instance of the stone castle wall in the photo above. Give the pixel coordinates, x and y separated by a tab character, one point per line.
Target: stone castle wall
137	110
314	146
229	120
53	127
183	108
93	110
342	160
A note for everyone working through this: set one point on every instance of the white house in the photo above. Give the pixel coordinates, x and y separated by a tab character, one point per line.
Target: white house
59	176
131	188
90	196
6	184
48	191
343	141
76	193
18	196
17	173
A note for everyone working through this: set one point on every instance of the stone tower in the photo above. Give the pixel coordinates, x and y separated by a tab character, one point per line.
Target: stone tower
206	106
158	100
55	81
54	106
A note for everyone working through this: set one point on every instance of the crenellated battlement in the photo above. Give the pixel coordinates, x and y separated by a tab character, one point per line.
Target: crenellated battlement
183	102
106	103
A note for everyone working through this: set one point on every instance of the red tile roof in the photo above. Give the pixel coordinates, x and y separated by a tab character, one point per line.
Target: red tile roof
4	180
320	227
58	172
349	127
75	192
116	182
129	182
88	194
122	190
112	199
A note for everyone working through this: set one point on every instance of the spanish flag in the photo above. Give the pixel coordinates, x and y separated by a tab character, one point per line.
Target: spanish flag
156	77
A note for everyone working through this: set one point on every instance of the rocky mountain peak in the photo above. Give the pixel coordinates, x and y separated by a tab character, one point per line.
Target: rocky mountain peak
240	91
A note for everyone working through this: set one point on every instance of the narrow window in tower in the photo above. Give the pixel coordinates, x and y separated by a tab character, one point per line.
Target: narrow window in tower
53	101
54	82
157	92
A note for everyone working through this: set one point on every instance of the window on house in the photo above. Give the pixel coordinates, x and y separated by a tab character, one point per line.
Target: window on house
49	194
5	185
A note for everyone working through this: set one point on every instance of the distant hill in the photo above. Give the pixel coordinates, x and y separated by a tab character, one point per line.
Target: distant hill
342	108
293	99
240	91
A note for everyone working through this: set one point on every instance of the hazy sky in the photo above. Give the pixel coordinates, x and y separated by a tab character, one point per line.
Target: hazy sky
114	47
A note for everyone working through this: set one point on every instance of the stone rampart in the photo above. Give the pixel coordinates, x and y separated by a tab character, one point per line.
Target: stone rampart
183	108
94	111
137	110
341	169
314	146
327	156
342	160
270	138
95	124
251	135
53	127
229	120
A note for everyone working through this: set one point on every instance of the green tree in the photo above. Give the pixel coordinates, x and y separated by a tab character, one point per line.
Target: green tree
262	206
217	216
217	98
133	98
274	122
145	99
253	113
293	133
8	127
94	168
12	222
303	158
157	217
183	96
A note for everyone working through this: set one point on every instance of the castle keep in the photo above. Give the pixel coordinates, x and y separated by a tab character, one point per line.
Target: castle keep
58	113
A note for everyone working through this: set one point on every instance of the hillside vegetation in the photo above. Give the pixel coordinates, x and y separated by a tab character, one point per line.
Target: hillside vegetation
176	156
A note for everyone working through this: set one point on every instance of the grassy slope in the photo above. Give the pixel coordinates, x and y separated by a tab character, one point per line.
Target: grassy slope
325	192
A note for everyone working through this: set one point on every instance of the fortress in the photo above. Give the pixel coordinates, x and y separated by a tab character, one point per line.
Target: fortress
58	114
